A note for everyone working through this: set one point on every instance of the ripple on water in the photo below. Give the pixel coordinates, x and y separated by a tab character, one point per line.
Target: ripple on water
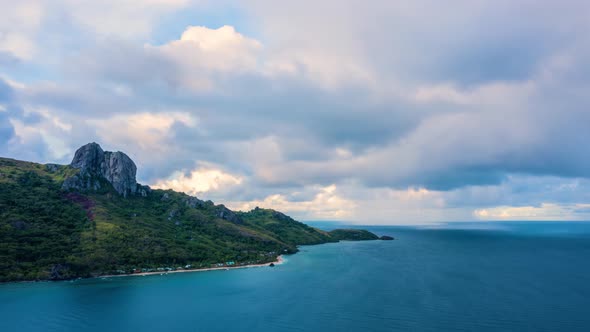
425	280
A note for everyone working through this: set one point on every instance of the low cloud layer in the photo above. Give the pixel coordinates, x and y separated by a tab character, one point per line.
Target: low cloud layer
381	112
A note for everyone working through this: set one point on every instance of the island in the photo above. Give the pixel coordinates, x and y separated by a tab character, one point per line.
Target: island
91	218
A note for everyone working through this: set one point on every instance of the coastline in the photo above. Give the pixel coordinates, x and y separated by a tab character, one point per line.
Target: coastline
279	261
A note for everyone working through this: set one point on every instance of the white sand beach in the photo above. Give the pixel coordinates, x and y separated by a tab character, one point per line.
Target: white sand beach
277	262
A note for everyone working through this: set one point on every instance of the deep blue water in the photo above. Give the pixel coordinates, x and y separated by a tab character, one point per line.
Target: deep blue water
456	277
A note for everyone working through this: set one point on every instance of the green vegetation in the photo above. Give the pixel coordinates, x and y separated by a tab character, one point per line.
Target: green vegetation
49	233
352	235
39	226
284	228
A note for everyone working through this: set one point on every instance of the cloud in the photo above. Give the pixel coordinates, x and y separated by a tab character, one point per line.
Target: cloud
199	181
546	211
222	49
121	18
494	130
201	51
7	109
16	46
145	130
20	22
6	129
326	205
42	138
418	111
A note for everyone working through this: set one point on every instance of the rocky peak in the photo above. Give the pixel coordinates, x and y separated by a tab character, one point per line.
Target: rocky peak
95	164
89	159
224	213
120	171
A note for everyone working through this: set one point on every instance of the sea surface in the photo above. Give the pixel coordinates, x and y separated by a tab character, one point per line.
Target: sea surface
451	277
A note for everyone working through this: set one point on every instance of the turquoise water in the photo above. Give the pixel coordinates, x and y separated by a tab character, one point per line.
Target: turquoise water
457	277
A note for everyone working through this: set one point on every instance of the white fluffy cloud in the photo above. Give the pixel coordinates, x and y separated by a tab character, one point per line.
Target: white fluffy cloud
382	110
326	204
201	52
18	27
147	131
199	181
222	49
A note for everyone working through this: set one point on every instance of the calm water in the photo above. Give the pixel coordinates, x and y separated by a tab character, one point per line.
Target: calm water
460	277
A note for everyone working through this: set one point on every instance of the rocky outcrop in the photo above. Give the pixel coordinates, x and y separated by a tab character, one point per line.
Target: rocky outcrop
120	171
89	158
52	168
59	271
280	216
226	214
81	182
193	202
96	166
143	190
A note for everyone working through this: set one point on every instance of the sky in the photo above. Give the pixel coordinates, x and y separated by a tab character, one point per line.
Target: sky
369	112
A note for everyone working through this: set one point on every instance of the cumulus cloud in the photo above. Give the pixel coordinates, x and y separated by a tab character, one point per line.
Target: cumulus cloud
38	132
222	49
201	51
199	181
148	131
382	109
326	204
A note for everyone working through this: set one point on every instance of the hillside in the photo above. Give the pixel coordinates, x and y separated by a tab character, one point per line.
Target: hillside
92	218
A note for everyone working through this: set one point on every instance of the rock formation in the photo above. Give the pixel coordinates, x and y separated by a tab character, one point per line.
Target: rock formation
96	166
224	213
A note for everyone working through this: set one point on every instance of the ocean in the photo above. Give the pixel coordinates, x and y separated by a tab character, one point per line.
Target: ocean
509	276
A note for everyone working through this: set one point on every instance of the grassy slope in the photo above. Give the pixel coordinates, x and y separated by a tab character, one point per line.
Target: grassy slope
46	233
284	227
352	235
38	225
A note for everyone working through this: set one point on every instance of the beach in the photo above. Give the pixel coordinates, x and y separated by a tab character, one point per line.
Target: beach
277	262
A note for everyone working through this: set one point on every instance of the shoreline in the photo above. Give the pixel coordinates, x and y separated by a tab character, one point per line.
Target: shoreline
279	261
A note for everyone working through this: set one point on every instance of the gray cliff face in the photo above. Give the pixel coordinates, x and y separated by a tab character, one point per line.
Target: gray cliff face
89	159
120	171
96	165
